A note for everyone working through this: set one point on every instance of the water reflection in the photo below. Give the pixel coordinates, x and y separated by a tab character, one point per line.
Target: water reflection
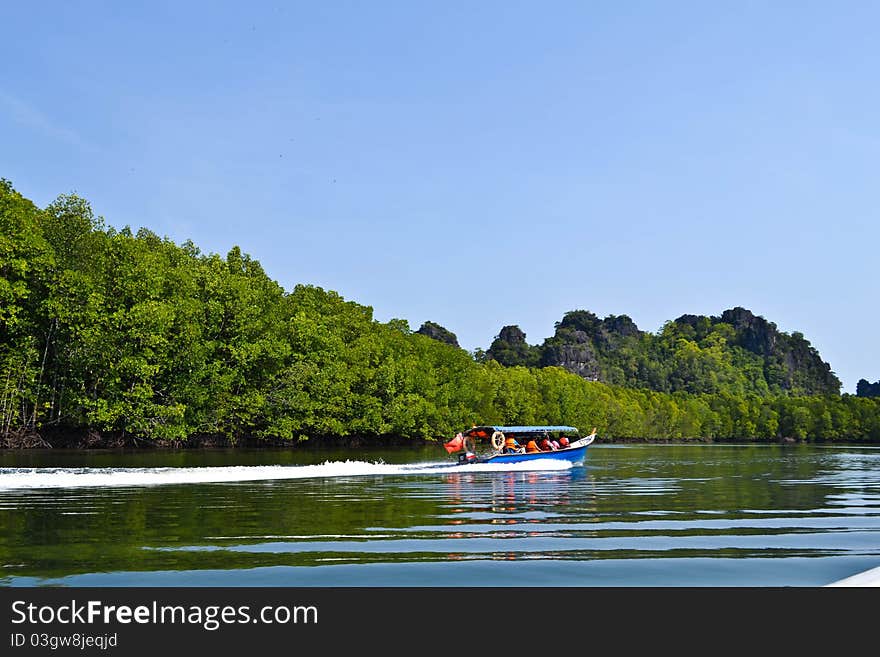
684	505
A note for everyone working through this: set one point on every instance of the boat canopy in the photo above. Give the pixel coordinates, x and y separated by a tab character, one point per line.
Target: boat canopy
490	429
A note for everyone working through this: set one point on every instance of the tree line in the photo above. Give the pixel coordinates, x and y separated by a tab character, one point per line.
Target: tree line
127	334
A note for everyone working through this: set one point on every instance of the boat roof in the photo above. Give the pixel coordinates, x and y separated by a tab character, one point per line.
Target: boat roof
526	428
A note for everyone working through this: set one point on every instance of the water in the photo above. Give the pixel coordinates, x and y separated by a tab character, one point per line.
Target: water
634	515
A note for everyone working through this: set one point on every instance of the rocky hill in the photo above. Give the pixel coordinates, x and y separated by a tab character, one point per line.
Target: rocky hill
737	352
865	389
439	333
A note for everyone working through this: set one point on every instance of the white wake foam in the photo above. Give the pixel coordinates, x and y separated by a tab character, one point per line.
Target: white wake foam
26	478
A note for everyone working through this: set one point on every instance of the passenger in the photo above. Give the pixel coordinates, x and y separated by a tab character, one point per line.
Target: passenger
511	446
549	445
563	442
532	447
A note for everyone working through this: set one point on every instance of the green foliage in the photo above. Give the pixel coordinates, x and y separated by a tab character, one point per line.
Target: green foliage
510	349
131	334
866	389
737	353
26	269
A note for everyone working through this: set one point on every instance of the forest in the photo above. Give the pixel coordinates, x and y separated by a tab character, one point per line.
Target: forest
118	337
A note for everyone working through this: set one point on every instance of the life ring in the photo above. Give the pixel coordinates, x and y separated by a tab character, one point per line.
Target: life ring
470	445
497	441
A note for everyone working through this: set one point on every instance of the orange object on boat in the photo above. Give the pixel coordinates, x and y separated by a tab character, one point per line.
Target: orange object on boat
455	445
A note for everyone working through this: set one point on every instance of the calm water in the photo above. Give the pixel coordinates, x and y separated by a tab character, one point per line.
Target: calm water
646	515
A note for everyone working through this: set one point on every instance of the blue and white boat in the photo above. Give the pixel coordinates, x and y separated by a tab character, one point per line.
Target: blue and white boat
508	444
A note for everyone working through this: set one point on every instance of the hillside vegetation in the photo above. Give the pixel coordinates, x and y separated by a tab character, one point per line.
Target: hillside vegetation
122	337
738	353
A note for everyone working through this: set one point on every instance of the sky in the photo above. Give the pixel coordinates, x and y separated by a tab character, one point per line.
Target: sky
480	164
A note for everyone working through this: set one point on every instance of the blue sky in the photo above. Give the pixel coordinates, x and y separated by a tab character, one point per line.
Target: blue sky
479	164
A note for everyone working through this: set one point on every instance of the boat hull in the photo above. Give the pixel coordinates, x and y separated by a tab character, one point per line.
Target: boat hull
574	455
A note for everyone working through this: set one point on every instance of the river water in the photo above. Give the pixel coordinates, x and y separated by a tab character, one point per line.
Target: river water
632	515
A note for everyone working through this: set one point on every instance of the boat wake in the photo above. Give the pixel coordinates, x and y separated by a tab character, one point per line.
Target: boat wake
30	478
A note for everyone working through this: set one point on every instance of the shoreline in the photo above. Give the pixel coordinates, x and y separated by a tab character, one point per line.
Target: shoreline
91	439
94	440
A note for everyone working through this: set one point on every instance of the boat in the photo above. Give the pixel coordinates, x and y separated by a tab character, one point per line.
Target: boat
487	444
